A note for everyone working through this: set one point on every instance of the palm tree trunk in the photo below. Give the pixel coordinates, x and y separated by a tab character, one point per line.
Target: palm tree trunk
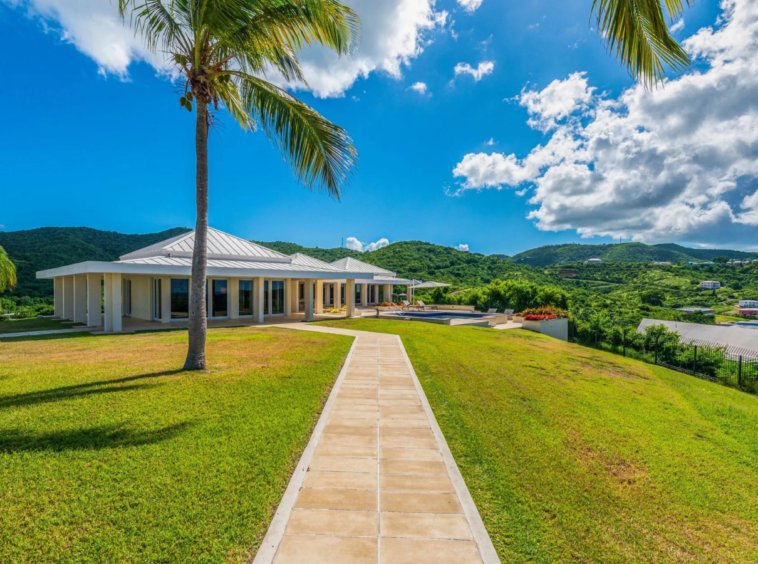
198	322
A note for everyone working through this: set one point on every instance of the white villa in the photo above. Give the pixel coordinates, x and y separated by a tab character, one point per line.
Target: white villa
246	281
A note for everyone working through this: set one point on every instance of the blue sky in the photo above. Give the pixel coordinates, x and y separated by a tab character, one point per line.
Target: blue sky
89	144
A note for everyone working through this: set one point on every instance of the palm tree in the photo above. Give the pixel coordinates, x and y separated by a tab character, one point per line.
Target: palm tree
637	31
7	272
222	49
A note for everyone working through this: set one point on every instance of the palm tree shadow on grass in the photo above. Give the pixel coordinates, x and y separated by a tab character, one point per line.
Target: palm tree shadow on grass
81	390
91	438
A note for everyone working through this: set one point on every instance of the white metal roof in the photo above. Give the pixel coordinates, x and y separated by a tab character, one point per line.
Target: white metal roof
220	246
737	339
226	263
354	265
305	260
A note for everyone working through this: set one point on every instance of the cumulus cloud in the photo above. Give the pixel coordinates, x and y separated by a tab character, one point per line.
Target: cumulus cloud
356	245
676	163
393	33
470	5
484	68
95	29
678	26
419	87
463	248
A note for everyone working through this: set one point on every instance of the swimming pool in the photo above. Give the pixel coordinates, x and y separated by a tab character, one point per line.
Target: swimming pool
441	314
445	317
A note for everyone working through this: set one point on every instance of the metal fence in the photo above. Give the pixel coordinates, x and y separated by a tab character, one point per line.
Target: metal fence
728	366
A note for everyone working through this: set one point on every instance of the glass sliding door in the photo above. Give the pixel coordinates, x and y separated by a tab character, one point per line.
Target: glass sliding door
246	298
156	299
219	296
277	297
266	297
179	298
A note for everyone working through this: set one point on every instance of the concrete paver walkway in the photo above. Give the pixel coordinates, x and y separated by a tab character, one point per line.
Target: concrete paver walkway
377	483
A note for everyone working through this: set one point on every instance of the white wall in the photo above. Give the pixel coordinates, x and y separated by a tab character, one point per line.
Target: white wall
141	297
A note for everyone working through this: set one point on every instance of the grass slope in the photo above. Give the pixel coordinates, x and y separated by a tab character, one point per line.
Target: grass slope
34	324
575	455
107	454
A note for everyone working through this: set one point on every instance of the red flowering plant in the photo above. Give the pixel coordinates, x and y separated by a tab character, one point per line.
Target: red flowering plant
543	313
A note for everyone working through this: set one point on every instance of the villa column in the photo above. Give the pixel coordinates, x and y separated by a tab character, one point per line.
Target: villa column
165	299
94	299
58	297
364	294
350	298
295	289
309	300
108	303
116	293
234	298
337	295
258	300
287	299
80	298
319	296
388	292
68	298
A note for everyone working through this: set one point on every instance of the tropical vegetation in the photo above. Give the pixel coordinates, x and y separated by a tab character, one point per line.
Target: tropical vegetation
110	454
8	278
222	51
576	455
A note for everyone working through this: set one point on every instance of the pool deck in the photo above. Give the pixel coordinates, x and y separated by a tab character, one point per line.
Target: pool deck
377	483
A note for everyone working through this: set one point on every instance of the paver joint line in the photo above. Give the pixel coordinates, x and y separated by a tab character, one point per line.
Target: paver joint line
378	459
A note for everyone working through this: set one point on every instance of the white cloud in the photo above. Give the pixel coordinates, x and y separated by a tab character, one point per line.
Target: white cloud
484	68
95	29
677	163
356	245
463	248
557	101
470	5
491	141
419	87
678	26
393	33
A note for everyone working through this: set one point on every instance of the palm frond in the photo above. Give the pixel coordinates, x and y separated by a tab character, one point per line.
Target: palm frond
320	153
8	278
637	32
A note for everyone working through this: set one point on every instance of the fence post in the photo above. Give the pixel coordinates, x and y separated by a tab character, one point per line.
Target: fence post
656	351
739	372
694	360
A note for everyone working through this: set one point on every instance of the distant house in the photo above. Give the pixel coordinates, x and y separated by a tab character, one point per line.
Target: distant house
692	263
748	303
749	311
710	285
662	263
568	273
738	340
703	310
593	261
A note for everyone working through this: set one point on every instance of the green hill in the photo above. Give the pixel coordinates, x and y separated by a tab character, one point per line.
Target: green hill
50	247
621	252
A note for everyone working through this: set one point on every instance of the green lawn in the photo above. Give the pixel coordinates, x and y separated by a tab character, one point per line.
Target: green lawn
576	455
109	455
34	324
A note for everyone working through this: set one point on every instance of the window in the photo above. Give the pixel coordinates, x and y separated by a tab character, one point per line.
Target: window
220	306
126	292
277	297
179	298
266	308
246	297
